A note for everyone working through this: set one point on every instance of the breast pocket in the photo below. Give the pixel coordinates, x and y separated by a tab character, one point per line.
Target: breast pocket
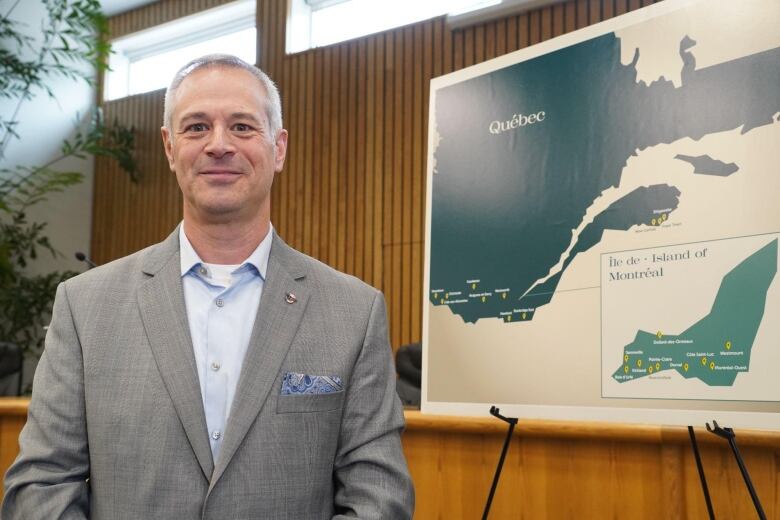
309	402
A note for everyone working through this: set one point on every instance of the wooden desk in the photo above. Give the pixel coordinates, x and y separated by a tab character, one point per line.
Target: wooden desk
13	415
559	470
567	470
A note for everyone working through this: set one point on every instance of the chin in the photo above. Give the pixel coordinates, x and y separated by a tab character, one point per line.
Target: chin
220	208
225	207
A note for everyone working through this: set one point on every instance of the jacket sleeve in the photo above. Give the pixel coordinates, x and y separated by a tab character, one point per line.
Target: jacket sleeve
49	477
371	477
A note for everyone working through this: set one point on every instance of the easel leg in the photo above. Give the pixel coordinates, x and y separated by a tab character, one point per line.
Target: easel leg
700	467
512	421
729	435
746	477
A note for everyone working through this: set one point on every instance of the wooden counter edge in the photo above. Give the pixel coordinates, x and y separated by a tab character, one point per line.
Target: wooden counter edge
13	406
582	430
533	428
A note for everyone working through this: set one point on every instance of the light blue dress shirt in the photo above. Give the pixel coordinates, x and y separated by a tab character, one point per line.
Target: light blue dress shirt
222	303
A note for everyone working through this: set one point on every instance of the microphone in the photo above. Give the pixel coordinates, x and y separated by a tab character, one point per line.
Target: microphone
81	257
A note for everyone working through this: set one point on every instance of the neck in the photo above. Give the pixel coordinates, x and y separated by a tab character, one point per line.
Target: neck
225	243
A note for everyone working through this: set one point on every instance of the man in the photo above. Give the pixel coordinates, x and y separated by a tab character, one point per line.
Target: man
220	373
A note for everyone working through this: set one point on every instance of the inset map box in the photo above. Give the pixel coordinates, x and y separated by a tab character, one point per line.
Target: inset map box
683	322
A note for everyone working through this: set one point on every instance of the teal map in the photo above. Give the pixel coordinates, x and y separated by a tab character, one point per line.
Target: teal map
602	223
524	151
716	348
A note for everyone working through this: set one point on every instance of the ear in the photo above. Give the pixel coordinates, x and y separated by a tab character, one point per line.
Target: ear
280	150
168	145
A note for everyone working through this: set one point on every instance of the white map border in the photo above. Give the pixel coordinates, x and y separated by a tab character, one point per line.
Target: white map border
754	420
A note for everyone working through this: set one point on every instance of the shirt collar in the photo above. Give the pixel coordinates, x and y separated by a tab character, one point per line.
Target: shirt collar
258	259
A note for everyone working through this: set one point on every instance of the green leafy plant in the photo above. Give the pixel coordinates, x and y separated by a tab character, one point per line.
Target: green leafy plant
73	36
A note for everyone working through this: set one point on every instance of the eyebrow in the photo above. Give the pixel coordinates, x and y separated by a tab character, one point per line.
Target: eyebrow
192	115
245	115
234	115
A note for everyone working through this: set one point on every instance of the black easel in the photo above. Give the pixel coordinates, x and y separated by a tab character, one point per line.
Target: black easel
728	434
703	479
512	421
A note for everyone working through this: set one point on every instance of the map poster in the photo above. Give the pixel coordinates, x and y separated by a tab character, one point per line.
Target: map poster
603	222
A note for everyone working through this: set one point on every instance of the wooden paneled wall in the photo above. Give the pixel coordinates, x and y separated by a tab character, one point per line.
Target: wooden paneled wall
129	216
353	190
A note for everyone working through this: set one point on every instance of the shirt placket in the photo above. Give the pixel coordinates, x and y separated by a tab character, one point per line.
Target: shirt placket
215	388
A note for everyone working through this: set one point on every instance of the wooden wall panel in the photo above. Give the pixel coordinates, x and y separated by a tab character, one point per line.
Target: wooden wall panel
353	190
129	216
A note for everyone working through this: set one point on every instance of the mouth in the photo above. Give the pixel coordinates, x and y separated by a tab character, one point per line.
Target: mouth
220	176
220	172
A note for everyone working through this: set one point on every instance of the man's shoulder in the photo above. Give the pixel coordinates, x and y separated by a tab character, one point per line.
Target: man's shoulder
328	278
114	275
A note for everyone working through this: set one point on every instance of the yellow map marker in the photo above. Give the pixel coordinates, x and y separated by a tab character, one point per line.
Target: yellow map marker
523	315
685	366
659	334
712	365
650	369
728	345
658	366
664	217
625	369
483	299
625	358
503	295
509	318
639	363
704	361
473	286
446	295
652	222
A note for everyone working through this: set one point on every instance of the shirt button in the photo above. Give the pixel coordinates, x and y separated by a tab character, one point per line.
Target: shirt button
220	302
216	434
215	366
202	271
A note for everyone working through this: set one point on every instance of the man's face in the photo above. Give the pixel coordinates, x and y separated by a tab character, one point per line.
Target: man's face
220	147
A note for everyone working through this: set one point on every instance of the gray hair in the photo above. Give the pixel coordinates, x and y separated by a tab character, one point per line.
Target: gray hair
273	104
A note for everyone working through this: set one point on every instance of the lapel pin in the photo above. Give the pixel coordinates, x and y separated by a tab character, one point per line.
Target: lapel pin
290	298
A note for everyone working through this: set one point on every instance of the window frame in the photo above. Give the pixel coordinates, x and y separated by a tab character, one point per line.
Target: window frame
196	28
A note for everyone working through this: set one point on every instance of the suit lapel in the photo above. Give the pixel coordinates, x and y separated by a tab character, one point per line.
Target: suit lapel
274	329
161	300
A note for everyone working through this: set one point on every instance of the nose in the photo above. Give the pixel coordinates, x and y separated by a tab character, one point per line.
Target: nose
219	142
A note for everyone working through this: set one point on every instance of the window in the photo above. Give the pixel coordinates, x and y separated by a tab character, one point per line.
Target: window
314	23
147	60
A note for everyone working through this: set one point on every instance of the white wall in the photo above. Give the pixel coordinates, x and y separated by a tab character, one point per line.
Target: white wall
43	124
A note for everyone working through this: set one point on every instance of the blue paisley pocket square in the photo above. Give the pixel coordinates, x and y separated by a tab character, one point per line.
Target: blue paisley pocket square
305	384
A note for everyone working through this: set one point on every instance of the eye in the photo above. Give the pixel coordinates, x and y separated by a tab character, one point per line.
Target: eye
196	127
242	127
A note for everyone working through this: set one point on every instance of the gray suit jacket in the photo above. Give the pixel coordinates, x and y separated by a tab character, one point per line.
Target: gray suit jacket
116	427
